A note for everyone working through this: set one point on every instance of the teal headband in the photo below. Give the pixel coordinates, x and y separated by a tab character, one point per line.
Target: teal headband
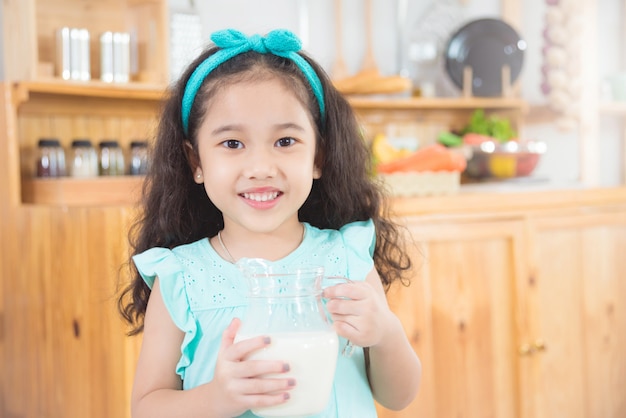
281	42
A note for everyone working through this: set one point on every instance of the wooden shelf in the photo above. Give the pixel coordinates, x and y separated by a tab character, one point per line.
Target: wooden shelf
96	89
30	28
97	191
443	103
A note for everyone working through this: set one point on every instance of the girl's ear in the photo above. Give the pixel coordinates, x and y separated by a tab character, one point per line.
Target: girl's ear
317	172
194	163
318	163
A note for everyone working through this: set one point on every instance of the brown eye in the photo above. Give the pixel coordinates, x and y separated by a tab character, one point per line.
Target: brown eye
232	143
285	142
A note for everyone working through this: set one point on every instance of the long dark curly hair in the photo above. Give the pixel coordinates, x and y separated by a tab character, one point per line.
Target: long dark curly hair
175	210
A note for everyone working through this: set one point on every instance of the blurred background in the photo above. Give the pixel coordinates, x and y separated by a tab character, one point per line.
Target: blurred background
587	146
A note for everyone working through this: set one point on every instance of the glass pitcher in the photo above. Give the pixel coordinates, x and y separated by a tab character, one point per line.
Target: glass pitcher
287	306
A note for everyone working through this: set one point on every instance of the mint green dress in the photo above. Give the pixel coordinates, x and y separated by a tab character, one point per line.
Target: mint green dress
203	293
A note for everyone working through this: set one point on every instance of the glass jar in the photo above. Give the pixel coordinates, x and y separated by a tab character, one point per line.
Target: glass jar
287	306
50	158
424	56
111	161
138	158
84	159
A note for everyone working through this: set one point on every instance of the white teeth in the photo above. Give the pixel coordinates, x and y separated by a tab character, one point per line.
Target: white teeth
261	197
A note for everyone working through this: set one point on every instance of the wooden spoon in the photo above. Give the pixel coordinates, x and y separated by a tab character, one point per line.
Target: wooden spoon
340	69
369	68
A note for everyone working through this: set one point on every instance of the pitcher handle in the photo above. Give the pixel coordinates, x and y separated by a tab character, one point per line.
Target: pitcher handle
329	281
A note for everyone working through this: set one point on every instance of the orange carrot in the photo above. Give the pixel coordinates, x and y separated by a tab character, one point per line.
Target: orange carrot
433	157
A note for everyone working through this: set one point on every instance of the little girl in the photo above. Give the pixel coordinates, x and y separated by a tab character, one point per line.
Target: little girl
258	156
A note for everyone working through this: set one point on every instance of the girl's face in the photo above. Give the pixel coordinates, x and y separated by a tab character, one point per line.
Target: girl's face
256	147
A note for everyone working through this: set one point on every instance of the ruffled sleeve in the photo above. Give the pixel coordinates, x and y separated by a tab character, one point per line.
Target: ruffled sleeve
360	240
164	264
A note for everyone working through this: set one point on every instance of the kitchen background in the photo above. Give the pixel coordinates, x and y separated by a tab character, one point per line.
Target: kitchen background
588	148
516	304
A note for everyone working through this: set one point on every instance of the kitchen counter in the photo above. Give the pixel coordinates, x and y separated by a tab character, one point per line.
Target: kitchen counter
506	199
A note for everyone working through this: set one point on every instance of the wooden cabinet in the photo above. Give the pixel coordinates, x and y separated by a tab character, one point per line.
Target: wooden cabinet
63	348
64	243
29	34
518	312
63	345
39	104
66	111
576	303
457	313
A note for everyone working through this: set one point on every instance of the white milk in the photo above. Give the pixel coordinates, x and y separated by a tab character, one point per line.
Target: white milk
312	357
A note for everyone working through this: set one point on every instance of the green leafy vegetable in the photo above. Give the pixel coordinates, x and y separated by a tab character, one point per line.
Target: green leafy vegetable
494	126
449	139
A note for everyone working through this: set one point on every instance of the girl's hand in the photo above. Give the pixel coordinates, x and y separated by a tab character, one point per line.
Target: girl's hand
361	314
359	311
240	382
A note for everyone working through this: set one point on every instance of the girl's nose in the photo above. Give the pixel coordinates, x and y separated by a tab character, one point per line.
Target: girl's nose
260	165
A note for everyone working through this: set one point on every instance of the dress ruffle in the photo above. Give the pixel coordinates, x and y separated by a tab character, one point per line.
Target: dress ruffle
359	239
164	264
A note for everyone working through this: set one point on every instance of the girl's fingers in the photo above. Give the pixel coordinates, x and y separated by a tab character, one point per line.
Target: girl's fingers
238	351
229	334
344	291
265	386
259	401
244	348
253	368
347	307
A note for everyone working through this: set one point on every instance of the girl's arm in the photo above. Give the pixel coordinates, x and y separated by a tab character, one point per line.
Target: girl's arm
235	388
395	370
361	314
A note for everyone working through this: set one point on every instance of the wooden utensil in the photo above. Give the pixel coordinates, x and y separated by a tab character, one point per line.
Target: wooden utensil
369	68
340	69
369	80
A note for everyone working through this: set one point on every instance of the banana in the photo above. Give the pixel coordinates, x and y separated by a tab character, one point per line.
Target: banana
384	152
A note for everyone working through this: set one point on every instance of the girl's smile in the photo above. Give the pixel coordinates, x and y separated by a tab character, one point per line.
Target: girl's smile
262	199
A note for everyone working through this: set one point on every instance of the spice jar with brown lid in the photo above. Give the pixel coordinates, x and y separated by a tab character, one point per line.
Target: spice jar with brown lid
138	158
111	161
50	158
84	159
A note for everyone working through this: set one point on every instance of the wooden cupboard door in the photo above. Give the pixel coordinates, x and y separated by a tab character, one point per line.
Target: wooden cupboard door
459	314
66	349
578	293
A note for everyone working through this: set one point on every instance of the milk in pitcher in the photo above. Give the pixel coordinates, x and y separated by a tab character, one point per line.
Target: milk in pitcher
312	359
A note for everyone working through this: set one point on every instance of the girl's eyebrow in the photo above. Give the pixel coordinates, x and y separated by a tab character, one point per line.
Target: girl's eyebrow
238	127
226	128
289	125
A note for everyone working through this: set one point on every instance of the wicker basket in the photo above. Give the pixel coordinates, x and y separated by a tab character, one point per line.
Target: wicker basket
427	183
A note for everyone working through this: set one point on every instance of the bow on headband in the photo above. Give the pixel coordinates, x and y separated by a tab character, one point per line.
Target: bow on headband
281	42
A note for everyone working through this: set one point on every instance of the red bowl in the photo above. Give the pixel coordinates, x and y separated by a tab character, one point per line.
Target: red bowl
504	160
